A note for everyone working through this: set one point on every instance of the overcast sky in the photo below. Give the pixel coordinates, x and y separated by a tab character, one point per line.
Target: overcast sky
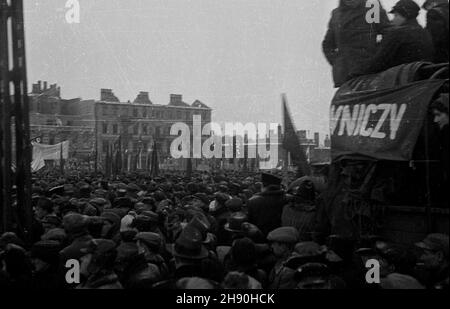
237	56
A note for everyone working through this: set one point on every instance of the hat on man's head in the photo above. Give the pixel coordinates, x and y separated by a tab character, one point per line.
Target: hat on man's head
221	197
132	187
202	197
46	250
435	243
305	252
189	245
154	217
269	179
153	240
52	219
234	204
111	217
75	223
313	270
10	238
235	222
100	247
287	234
99	202
57	234
407	8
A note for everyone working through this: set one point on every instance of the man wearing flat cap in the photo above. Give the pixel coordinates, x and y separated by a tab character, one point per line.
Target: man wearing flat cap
282	241
97	265
404	43
435	259
76	228
265	208
150	244
45	259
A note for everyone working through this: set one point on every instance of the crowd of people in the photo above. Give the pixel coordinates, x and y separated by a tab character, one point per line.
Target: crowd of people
230	230
235	230
356	45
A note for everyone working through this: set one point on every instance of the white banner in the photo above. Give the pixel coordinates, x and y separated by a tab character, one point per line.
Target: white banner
42	152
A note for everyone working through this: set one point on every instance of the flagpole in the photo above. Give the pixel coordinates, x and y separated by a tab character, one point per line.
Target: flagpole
61	158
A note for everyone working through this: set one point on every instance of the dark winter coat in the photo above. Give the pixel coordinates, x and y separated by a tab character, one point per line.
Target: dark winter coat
350	40
437	26
403	44
265	208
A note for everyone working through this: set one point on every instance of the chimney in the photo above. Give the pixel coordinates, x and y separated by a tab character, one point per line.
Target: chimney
40	86
35	88
302	134
142	98
104	93
317	139
107	95
45	85
175	99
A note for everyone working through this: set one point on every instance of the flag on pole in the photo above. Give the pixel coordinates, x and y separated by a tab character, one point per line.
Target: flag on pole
61	159
291	143
108	160
154	164
118	156
148	161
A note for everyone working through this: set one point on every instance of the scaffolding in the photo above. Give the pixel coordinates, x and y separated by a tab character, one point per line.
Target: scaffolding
15	146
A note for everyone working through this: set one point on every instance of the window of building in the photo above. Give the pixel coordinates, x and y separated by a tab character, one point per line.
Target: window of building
136	129
105	146
105	110
135	113
144	113
105	128
115	129
144	129
179	115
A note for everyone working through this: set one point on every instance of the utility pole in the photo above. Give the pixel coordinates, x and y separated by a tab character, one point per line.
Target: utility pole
14	113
